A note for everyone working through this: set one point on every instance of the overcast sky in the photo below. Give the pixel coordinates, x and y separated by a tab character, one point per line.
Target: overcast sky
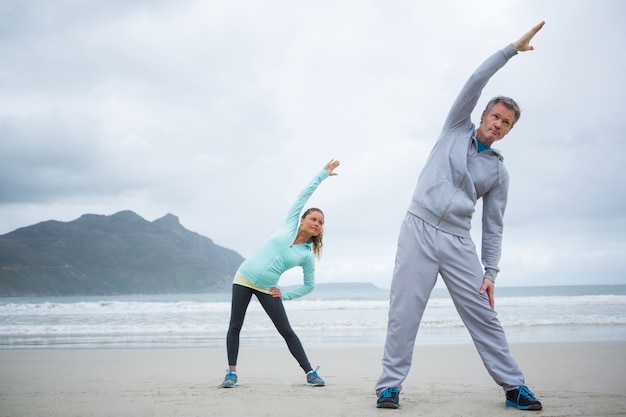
220	112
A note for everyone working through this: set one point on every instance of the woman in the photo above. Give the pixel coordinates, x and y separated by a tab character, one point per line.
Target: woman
295	243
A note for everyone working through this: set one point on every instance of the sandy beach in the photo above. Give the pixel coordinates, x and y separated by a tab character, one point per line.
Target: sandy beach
571	379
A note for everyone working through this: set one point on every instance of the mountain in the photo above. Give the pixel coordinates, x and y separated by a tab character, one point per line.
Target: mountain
118	254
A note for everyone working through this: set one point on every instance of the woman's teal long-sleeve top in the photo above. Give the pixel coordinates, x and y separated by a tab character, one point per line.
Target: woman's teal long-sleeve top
279	253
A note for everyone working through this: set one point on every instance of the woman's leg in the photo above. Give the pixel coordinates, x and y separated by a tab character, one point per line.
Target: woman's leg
275	309
240	299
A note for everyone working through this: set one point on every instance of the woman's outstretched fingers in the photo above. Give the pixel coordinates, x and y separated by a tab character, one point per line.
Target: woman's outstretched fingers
331	165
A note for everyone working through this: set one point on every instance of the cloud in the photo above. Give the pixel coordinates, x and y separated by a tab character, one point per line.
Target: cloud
219	112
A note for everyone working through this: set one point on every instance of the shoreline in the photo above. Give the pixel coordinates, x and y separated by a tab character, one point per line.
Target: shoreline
571	379
311	338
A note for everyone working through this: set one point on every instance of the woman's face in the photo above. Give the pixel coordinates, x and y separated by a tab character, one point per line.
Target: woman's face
313	223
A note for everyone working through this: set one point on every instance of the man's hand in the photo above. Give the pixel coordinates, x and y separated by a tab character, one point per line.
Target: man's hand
523	43
489	287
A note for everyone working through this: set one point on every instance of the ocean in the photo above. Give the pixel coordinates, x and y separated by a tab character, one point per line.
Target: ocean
333	315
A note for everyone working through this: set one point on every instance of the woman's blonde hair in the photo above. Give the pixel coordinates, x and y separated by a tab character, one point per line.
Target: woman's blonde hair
317	240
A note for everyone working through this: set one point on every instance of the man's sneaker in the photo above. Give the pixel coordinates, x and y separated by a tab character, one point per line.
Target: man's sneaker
313	379
522	398
388	398
230	380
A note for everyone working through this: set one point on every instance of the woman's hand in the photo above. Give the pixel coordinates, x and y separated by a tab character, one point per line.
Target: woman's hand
275	292
523	43
330	166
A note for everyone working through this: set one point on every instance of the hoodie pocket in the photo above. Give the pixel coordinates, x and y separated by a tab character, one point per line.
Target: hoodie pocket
436	198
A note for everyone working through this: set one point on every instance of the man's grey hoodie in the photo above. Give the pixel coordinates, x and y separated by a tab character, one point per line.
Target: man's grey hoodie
456	175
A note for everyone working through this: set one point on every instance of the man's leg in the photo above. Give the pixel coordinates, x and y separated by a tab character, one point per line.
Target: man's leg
463	274
414	277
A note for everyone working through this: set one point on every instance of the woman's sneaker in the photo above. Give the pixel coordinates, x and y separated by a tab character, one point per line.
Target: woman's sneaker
523	399
388	398
313	379
230	380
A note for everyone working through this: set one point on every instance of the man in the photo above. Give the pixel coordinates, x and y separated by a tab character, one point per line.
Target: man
435	238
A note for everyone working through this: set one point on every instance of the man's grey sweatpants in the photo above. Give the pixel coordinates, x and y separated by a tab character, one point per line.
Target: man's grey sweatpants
423	253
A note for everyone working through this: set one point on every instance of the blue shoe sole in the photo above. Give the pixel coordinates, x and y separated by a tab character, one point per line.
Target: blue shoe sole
523	407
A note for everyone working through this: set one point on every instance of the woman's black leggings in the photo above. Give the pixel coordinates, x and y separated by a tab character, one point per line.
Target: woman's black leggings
274	308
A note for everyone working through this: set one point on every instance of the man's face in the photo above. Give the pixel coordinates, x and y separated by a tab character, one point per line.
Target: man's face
495	124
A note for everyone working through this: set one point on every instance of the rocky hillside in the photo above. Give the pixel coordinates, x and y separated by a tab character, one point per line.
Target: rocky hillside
118	254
